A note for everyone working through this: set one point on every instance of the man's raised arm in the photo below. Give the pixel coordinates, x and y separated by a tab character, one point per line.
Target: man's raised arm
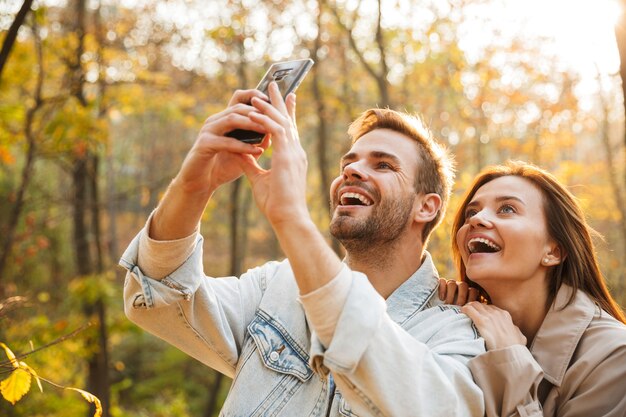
211	162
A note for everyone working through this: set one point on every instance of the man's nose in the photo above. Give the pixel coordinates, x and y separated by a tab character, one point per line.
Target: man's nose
355	170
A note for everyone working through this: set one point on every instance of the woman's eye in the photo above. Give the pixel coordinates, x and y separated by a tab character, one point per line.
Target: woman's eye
470	213
507	209
383	165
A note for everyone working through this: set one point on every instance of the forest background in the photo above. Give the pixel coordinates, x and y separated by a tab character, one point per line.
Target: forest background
101	99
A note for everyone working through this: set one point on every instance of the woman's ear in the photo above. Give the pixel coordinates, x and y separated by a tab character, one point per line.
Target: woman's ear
426	207
554	256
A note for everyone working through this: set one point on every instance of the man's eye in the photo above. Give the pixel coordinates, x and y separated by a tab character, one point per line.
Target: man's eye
383	165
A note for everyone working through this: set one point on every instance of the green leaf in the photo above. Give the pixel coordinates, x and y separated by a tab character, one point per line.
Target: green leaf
16	385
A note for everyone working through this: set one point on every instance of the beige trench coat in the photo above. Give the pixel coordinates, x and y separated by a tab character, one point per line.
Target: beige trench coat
576	366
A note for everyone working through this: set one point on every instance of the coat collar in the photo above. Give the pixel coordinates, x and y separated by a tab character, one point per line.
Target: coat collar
413	295
560	332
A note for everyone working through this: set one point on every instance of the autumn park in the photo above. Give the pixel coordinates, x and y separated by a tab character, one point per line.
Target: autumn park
100	101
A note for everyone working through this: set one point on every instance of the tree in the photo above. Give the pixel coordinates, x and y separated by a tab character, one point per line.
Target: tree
28	167
86	211
620	37
380	74
11	35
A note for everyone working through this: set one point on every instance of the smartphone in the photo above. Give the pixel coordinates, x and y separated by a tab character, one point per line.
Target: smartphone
288	75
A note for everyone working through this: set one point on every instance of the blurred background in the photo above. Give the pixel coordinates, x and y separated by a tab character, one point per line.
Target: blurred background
101	99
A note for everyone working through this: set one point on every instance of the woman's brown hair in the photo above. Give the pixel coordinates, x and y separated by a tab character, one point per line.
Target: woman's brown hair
566	225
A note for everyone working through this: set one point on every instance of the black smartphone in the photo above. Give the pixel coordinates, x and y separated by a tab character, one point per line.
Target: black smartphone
288	75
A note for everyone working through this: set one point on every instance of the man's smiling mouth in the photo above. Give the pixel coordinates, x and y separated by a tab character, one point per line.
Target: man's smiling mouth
354	199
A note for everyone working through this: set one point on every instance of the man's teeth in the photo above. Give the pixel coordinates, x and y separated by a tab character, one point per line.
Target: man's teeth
474	245
345	199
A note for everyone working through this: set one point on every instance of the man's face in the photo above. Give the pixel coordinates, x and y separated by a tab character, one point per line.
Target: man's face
373	197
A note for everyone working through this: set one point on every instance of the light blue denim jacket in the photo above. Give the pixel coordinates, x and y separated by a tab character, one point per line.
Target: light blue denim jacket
403	357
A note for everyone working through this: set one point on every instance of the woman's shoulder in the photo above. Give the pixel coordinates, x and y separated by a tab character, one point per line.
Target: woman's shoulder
594	381
605	330
577	333
603	338
585	310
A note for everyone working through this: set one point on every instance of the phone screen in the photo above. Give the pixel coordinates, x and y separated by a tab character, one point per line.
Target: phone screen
288	75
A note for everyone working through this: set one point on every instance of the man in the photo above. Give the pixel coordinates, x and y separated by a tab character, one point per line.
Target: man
311	336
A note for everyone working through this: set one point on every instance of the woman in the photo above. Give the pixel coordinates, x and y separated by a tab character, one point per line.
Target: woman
555	337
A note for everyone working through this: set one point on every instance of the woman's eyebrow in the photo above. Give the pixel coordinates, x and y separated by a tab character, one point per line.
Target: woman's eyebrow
510	197
499	199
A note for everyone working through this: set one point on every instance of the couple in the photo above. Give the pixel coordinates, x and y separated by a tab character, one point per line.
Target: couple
315	336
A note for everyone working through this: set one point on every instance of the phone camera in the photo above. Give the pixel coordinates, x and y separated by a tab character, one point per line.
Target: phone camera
280	74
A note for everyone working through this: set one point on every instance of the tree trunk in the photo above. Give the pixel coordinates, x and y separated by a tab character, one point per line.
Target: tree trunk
11	36
27	169
82	252
215	390
237	217
346	89
620	37
617	188
322	128
95	212
381	79
87	234
380	75
235	249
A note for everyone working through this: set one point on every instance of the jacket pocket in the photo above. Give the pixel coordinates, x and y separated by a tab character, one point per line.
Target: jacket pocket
344	408
278	350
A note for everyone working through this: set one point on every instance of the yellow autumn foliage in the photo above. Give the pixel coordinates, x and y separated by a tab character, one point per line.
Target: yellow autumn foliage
18	383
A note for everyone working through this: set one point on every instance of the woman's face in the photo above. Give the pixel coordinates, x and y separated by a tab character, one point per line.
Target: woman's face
504	238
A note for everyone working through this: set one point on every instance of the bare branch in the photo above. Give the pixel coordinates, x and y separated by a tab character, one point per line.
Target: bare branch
11	303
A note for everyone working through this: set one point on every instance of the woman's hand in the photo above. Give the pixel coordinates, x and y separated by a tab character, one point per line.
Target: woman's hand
495	325
456	292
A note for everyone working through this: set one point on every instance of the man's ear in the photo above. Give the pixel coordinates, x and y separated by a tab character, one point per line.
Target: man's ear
426	207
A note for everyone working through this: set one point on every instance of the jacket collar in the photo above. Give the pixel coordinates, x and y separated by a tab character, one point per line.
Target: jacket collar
413	295
560	332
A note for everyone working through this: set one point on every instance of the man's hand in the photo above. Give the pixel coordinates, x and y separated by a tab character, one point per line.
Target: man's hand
495	325
280	192
456	292
213	160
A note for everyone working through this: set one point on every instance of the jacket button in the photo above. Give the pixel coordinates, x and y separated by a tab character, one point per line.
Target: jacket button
274	356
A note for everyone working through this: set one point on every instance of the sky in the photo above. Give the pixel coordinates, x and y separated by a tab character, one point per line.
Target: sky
580	33
582	30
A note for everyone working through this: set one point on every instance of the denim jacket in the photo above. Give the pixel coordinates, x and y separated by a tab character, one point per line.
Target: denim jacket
406	356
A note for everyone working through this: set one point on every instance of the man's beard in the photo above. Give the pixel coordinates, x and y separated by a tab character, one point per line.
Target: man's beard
386	222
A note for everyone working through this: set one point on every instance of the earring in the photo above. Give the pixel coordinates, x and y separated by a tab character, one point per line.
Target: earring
545	261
